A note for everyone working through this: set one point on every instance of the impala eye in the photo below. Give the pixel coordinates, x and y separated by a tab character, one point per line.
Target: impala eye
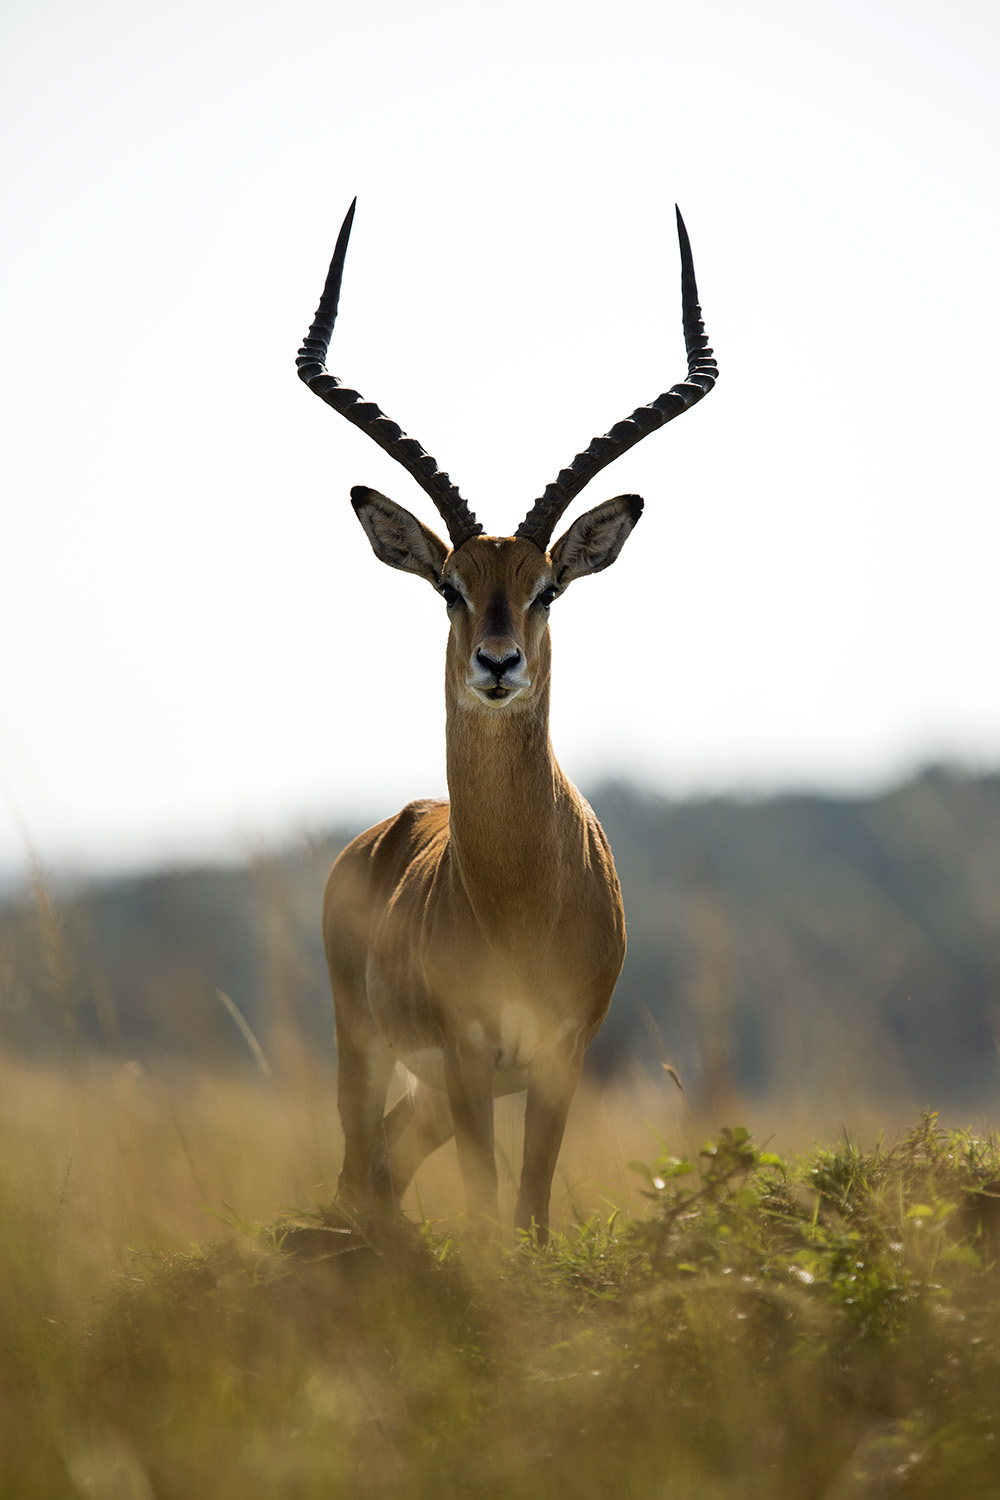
449	595
546	597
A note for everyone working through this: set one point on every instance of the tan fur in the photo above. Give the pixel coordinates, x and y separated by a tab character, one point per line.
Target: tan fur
476	942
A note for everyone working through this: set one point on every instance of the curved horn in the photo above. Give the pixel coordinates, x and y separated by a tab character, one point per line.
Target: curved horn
702	373
311	362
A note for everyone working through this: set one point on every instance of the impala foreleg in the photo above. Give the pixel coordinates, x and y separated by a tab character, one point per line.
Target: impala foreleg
469	1078
551	1086
363	1073
417	1124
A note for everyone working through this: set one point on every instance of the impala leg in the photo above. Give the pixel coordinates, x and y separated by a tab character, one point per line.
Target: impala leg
551	1087
417	1124
363	1073
470	1093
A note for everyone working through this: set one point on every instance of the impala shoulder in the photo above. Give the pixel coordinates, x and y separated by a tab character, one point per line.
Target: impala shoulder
597	840
413	829
385	850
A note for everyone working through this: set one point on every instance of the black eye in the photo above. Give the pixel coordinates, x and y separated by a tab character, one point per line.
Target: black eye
449	595
546	597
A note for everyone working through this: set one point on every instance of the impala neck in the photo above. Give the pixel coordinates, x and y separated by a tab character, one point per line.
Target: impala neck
509	798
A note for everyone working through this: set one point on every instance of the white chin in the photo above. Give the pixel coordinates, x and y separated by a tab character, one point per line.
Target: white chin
492	699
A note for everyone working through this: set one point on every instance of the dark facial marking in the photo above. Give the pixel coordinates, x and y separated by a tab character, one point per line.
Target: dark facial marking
497	619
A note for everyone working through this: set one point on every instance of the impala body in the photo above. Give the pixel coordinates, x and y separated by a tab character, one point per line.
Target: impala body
476	942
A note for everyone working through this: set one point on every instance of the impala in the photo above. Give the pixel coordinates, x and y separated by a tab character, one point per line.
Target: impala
476	941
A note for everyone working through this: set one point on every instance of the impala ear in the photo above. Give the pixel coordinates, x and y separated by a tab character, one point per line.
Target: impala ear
398	538
595	539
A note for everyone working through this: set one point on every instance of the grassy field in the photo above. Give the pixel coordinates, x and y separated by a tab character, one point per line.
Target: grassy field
716	1321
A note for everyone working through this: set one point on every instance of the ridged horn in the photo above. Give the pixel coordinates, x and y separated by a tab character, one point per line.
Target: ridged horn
311	363
702	373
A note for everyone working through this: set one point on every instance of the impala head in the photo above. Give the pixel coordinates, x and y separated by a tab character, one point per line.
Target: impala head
498	590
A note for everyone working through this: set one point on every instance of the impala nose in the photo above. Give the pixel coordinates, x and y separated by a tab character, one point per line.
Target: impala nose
499	665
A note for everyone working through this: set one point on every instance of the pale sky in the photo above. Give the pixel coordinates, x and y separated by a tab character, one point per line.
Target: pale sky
201	652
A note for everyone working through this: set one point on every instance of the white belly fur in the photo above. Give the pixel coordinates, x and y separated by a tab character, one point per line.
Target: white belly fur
427	1066
510	1054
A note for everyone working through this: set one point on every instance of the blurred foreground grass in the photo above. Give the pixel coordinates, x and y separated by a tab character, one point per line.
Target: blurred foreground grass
720	1322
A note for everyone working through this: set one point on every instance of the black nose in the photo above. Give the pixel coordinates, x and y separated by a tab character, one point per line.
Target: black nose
498	665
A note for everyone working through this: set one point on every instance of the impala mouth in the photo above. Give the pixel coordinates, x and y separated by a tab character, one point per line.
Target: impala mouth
497	680
495	694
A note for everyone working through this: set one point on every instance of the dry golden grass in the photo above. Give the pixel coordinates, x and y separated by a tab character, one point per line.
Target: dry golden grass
124	1154
155	1343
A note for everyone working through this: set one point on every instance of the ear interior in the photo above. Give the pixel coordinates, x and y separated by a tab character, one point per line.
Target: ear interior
595	539
398	539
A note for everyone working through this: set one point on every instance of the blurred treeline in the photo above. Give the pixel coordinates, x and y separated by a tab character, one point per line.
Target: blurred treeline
799	947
